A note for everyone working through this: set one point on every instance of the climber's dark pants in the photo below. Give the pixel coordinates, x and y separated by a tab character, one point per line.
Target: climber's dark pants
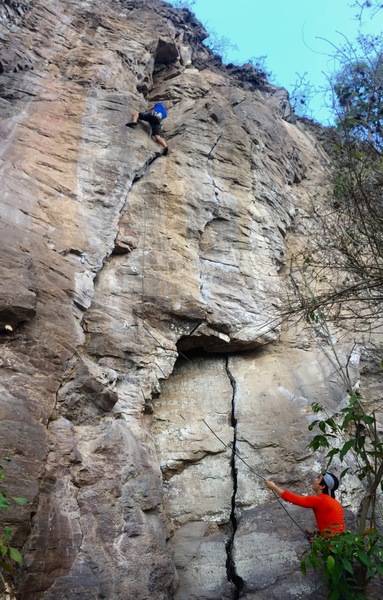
153	120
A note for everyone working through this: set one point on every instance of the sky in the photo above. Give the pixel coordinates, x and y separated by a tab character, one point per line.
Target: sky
288	32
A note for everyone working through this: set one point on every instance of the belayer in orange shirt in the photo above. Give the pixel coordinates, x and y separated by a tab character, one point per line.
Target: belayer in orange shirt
327	510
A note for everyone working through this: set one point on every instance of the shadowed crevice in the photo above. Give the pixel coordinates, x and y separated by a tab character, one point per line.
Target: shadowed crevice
230	561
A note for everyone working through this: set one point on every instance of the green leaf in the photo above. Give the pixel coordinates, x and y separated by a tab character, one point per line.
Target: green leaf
15	555
303	567
346	447
8	533
330	563
332	453
314	445
6	566
7	459
4	504
319	441
331	423
337	573
368	419
361	441
349	417
20	501
363	558
313	424
347	565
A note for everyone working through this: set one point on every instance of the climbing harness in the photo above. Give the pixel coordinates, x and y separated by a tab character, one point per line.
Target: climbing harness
257	475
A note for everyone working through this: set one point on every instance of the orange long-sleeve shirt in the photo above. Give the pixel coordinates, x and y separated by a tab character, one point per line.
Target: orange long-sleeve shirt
328	511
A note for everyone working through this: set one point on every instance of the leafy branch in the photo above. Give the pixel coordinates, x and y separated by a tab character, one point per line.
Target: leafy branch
9	555
348	562
364	443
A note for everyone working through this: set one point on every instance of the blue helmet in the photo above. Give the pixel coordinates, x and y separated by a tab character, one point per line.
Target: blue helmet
159	108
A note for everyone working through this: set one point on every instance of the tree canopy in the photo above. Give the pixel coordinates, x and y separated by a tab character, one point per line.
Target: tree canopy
340	271
358	89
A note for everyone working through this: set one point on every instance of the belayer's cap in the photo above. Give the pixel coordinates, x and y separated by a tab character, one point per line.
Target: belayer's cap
332	483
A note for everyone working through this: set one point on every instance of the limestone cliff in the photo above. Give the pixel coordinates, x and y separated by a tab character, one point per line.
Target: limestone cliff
140	304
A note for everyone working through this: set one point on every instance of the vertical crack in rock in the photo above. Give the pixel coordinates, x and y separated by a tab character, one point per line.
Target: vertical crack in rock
214	146
140	172
144	168
119	246
230	562
208	170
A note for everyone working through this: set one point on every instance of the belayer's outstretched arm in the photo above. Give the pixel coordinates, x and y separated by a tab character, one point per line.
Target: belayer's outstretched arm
273	486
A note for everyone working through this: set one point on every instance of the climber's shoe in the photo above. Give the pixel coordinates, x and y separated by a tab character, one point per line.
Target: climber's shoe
131	124
165	151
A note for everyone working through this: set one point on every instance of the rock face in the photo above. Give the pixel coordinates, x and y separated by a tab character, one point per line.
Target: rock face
140	310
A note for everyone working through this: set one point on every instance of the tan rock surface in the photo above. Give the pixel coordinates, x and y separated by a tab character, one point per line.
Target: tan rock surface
114	262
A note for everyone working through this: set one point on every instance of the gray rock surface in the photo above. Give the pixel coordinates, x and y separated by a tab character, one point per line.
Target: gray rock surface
140	305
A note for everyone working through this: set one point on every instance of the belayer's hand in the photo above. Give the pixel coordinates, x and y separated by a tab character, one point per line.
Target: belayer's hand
273	487
310	535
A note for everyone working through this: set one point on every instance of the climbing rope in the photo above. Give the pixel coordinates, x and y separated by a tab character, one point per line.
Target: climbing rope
256	474
143	257
143	276
160	345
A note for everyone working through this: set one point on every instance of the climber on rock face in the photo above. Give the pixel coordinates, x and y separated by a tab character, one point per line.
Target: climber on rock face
328	511
154	117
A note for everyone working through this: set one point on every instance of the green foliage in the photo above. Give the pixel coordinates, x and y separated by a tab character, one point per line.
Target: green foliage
9	555
364	440
358	88
340	270
358	432
348	562
338	279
